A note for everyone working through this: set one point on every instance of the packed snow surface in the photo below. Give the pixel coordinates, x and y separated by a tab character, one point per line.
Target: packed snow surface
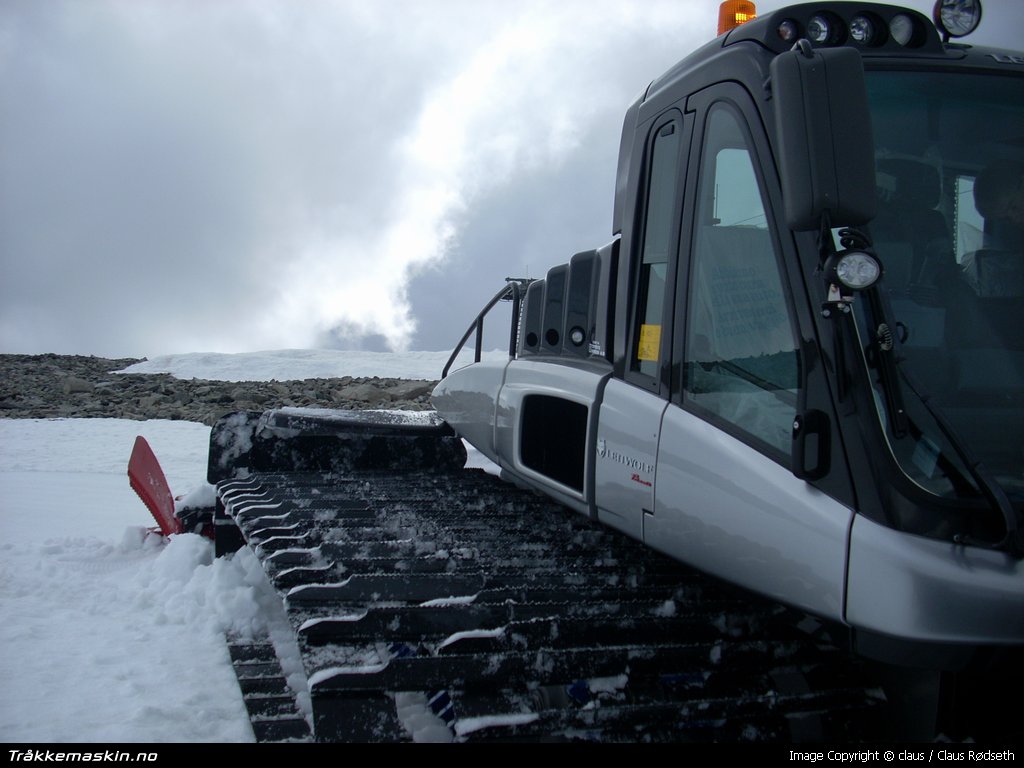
108	633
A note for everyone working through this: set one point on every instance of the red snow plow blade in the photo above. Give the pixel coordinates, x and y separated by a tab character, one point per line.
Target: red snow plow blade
147	479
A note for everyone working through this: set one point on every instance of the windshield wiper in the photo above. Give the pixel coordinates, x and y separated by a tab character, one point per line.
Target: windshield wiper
885	357
889	372
1013	541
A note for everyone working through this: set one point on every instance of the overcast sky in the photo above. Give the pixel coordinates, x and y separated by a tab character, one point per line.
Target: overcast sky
183	176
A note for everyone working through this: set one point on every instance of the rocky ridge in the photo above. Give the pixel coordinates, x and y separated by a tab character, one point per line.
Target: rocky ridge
76	386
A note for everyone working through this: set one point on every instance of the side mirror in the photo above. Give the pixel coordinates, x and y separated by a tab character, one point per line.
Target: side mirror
825	148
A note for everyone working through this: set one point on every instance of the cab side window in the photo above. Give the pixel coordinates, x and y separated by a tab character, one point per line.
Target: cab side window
741	364
660	227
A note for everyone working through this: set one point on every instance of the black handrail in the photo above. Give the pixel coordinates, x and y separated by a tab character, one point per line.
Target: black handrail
514	287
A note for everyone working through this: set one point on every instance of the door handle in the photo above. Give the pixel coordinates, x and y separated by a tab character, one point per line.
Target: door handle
812	445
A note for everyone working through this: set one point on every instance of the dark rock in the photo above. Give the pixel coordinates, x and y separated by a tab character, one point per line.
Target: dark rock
46	386
410	390
73	384
367	392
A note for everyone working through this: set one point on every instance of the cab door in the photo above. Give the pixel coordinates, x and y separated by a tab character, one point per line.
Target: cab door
634	400
726	498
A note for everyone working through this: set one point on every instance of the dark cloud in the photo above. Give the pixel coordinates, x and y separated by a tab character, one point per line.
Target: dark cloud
183	176
521	229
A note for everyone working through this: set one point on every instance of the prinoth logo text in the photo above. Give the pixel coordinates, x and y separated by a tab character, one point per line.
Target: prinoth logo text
627	461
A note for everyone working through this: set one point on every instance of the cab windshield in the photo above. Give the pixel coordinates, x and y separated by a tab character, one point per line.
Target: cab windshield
950	234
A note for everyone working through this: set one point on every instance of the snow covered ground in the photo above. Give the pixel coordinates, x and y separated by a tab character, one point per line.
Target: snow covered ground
107	634
304	364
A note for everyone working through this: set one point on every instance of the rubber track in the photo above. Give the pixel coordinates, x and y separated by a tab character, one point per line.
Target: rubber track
520	619
270	702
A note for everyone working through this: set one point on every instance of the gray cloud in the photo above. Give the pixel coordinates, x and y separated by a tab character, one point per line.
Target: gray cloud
179	176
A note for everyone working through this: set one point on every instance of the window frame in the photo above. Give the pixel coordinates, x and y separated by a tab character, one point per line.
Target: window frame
659	383
731	98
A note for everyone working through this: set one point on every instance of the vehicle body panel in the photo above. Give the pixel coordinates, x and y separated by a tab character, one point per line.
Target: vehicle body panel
468	399
914	587
627	446
572	383
729	510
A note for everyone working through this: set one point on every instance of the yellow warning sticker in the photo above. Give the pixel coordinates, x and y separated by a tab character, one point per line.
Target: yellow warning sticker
650	343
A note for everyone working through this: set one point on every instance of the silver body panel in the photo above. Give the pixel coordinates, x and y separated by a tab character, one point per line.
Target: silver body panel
626	456
467	399
729	510
579	383
917	588
718	504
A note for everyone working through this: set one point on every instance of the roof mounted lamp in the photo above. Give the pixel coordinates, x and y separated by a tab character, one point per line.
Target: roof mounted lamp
956	18
733	13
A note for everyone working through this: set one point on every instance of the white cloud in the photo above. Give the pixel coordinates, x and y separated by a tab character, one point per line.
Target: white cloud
178	176
512	103
182	176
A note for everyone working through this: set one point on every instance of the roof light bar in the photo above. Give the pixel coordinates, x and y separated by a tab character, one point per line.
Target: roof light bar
873	28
